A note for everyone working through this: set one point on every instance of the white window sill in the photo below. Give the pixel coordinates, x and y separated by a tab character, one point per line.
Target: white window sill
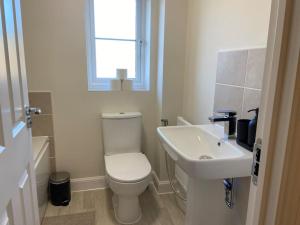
107	87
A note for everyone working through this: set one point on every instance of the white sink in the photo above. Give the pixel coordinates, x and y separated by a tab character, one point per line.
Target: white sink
203	153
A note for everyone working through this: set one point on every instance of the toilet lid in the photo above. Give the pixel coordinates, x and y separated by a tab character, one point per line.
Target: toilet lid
127	167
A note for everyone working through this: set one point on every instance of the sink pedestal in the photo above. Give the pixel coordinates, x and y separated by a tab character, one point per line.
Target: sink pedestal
205	203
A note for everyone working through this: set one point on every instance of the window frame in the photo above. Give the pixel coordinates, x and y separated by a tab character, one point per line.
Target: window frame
141	81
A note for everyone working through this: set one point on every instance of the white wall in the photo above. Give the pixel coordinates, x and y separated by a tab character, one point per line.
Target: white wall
171	62
213	25
56	61
55	49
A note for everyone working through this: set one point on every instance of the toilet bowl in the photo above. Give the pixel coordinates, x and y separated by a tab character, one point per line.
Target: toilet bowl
128	176
127	168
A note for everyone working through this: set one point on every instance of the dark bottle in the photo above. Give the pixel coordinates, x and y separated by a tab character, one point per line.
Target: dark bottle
252	128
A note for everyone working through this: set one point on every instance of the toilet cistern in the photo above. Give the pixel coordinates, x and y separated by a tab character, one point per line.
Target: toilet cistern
127	168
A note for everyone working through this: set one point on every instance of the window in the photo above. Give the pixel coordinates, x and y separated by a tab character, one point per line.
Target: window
117	39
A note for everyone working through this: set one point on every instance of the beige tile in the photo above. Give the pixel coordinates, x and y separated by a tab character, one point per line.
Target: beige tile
52	210
52	146
157	210
42	125
251	100
88	200
228	97
152	200
75	205
176	214
255	68
231	67
41	100
53	164
164	217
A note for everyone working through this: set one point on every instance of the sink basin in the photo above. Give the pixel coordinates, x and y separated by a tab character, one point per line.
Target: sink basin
202	152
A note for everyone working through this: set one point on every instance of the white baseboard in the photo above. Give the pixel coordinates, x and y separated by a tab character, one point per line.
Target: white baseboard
161	187
99	182
88	183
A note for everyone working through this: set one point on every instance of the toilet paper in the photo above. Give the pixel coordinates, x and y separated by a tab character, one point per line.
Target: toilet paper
127	85
122	74
115	85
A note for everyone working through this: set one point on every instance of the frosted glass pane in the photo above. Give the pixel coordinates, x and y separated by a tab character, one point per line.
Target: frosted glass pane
115	18
111	55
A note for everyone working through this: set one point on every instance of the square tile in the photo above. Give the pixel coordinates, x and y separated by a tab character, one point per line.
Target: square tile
52	146
42	125
255	68
231	67
251	101
228	97
41	100
100	202
52	164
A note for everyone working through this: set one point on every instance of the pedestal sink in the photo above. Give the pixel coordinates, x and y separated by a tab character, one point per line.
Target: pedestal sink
203	153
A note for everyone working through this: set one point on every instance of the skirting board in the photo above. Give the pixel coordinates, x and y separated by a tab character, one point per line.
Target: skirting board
88	183
99	182
161	187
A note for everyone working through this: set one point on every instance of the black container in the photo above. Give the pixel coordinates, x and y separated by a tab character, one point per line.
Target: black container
243	133
242	130
252	127
60	189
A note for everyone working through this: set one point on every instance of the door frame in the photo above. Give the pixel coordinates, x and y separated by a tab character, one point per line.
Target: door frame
277	125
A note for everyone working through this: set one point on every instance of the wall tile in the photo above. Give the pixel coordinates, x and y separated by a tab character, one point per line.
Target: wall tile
255	68
251	100
52	147
41	100
228	97
231	67
42	125
52	165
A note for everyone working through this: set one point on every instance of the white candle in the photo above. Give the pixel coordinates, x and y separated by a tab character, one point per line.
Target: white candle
122	74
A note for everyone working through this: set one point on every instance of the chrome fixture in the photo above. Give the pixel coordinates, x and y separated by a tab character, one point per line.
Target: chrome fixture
229	117
229	192
164	122
28	112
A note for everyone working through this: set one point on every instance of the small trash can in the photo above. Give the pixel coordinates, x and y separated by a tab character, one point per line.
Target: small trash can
59	188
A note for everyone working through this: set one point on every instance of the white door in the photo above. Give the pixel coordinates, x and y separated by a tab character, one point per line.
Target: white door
18	199
273	125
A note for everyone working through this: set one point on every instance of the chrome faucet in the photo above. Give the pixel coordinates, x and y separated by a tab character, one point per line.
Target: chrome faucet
229	117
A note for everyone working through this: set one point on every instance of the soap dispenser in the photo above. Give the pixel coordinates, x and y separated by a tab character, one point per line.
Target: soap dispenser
252	127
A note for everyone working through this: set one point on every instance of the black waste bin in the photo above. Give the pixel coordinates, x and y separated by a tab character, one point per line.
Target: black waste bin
59	188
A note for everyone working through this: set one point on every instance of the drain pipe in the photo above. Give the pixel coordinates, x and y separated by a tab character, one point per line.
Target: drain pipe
229	192
165	123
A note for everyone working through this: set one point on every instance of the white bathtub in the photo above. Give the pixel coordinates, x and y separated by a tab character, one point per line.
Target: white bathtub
41	154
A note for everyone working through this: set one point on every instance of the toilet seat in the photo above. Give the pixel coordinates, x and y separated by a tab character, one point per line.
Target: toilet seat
127	167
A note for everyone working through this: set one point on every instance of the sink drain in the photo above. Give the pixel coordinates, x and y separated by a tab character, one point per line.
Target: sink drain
205	157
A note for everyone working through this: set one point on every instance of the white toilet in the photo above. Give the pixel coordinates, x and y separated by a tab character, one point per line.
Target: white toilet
127	168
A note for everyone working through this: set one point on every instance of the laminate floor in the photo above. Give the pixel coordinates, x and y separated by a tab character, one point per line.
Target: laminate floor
156	209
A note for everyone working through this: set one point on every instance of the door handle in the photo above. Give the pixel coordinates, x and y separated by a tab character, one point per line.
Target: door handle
28	112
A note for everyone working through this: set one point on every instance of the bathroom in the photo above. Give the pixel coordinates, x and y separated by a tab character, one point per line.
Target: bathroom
189	60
